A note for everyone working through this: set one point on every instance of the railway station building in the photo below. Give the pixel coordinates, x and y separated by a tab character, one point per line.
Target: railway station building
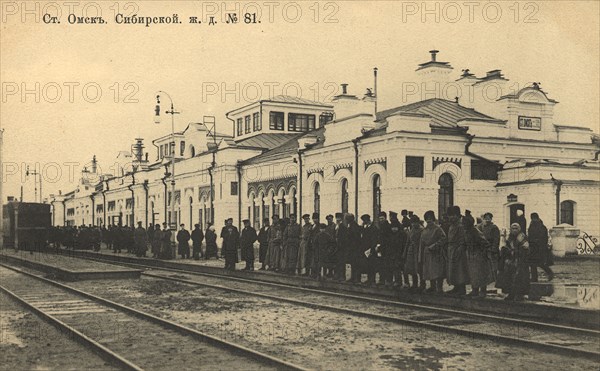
291	155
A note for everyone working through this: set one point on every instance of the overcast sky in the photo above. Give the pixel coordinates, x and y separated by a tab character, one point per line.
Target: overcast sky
555	43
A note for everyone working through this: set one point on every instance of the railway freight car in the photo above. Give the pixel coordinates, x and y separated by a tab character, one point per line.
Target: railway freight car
25	225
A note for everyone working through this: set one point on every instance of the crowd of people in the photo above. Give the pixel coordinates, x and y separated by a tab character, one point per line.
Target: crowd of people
406	252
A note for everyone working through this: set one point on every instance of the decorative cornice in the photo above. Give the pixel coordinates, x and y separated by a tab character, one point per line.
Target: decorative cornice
338	167
440	160
265	185
317	170
379	160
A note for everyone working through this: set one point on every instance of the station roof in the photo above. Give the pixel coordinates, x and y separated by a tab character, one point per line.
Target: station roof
444	113
288	147
267	141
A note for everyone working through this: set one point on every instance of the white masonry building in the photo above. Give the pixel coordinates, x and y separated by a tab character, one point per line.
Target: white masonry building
291	155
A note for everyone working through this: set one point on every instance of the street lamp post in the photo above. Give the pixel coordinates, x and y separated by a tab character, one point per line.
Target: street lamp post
35	180
172	112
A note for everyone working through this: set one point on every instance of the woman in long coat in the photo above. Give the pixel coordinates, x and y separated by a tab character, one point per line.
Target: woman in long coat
513	270
211	242
479	262
411	252
433	245
291	240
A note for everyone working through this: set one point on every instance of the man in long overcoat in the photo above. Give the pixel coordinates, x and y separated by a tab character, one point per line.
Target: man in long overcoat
291	241
303	250
458	269
384	253
492	235
354	253
478	261
166	251
156	241
197	237
231	243
275	244
539	254
325	245
316	263
395	263
141	239
368	245
247	244
341	242
433	246
183	240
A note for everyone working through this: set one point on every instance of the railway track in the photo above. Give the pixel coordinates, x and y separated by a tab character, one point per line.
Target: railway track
126	337
548	337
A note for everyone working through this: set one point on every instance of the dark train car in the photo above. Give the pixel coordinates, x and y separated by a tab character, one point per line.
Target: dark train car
26	225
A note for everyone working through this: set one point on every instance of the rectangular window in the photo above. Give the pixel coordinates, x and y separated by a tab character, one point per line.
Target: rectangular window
276	120
234	188
483	170
256	124
111	205
247	124
301	122
414	166
162	152
239	127
128	203
324	118
99	208
181	147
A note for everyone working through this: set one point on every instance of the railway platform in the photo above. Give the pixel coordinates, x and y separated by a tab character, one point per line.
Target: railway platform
67	269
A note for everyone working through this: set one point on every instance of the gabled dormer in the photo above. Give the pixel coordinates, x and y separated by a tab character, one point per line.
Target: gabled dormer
529	114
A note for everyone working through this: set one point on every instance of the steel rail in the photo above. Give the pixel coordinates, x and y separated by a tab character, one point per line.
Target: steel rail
548	347
482	316
96	347
233	347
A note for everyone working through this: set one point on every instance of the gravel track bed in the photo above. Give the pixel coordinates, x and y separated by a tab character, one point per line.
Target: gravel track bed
590	343
317	338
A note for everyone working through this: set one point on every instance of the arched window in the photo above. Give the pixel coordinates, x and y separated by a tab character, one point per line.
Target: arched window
445	193
192	151
293	201
376	196
285	207
567	212
344	195
317	198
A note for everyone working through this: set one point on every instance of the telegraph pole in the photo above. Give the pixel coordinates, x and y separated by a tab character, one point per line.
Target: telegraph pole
172	112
